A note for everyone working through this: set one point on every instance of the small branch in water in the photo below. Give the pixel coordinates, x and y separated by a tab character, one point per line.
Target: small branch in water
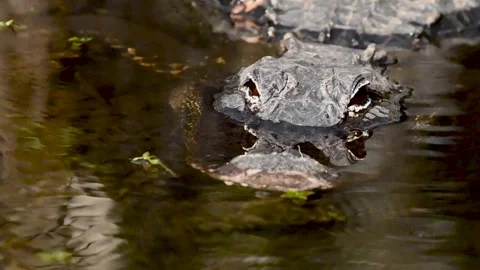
171	172
147	160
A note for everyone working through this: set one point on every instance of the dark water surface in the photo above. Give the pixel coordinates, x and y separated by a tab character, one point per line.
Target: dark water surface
70	121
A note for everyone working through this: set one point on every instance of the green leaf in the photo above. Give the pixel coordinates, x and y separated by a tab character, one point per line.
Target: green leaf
76	42
154	160
299	195
146	159
74	39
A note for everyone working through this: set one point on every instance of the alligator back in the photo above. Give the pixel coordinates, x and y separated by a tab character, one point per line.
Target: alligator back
356	23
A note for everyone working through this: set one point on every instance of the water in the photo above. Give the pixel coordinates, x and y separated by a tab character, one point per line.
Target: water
71	199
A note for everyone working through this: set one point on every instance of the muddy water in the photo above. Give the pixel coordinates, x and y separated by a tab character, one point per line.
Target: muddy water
70	198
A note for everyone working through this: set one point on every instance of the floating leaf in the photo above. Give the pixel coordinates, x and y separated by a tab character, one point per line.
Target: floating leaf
146	155
12	25
73	39
154	160
77	42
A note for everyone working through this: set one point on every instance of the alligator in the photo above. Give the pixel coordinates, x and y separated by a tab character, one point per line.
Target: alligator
301	116
353	23
310	111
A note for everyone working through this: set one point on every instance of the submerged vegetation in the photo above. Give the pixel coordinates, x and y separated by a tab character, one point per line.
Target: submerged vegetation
76	43
297	195
10	24
4	24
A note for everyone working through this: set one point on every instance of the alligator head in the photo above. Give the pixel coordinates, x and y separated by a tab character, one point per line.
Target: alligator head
314	85
321	97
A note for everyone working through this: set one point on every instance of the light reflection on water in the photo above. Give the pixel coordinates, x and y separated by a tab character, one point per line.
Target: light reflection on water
67	184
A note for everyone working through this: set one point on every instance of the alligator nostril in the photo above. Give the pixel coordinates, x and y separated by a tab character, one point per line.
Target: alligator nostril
252	88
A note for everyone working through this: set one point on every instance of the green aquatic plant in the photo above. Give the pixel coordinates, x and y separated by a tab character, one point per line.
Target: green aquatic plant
11	25
8	23
337	215
33	143
297	195
59	256
147	160
77	42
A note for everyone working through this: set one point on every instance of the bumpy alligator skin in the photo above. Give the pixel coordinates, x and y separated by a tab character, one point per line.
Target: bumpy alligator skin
310	85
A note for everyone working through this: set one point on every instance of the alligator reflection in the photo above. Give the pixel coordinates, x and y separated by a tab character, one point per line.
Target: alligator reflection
218	140
335	146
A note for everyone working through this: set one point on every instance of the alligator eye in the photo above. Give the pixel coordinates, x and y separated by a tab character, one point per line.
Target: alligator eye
252	88
360	98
